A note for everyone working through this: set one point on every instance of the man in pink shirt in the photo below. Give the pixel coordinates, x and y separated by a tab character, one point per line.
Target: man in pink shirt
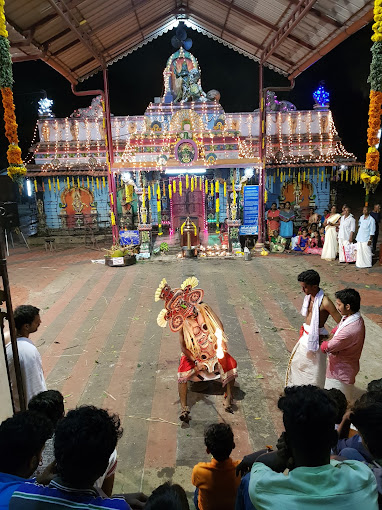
345	344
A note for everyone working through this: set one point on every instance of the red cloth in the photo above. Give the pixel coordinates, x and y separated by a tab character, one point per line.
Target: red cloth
324	346
227	367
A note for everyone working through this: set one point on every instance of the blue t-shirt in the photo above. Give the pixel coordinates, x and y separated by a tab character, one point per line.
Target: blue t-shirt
8	485
59	496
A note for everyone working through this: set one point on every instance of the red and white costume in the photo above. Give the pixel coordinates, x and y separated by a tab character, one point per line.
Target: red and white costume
202	333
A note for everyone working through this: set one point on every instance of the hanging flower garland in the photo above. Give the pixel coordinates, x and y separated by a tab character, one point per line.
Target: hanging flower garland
371	176
16	169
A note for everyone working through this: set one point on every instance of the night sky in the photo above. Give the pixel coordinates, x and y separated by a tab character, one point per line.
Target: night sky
137	79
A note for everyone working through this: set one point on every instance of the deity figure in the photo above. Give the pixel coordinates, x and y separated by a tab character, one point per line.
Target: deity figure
190	88
77	202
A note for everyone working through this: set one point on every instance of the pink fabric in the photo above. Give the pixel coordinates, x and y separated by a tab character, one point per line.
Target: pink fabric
345	351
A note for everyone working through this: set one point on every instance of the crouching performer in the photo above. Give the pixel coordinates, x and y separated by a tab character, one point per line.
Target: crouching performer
202	340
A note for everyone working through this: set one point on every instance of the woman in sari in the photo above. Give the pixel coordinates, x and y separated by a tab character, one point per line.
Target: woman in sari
330	249
273	220
286	223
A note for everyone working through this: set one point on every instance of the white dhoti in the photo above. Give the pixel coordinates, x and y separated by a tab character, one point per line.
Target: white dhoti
342	243
347	389
306	367
364	255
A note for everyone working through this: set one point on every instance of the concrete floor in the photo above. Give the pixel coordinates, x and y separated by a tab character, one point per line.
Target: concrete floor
101	345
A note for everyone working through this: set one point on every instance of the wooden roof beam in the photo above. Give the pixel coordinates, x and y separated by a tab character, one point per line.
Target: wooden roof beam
61	7
261	21
302	8
322	16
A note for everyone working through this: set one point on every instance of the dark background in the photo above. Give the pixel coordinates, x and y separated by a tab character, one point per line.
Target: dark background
137	78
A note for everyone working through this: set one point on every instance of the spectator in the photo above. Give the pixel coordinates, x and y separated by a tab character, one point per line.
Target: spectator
273	220
312	217
27	321
314	481
346	236
375	385
376	214
168	497
345	343
22	439
340	402
216	482
49	403
83	442
366	415
364	239
325	216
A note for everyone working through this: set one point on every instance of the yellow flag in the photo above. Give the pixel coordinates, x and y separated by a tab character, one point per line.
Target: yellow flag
180	187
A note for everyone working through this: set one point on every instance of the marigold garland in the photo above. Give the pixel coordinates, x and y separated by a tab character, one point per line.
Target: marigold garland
371	177
16	169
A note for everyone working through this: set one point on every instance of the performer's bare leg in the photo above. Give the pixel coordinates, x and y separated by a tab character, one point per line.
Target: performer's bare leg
229	396
185	414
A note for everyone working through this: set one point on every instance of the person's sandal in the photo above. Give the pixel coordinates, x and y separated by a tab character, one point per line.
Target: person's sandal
185	414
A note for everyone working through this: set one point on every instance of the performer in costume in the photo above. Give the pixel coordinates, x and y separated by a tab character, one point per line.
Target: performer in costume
202	340
307	364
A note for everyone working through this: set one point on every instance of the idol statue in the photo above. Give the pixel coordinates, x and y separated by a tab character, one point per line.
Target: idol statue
190	88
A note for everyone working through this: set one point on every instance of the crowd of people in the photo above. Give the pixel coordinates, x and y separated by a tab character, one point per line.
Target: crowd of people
329	235
329	453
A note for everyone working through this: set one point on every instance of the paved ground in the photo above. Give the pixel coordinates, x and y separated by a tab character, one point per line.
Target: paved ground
101	345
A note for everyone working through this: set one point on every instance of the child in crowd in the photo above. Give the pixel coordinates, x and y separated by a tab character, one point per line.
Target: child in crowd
313	229
315	247
302	241
304	225
322	235
50	403
216	481
340	402
168	496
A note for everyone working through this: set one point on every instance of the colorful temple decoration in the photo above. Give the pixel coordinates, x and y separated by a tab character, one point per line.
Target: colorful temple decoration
185	157
371	176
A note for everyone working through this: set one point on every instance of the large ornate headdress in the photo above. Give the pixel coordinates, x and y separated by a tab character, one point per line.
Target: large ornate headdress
179	303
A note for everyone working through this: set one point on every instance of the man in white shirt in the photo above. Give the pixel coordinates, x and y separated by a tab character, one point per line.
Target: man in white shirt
364	239
345	233
27	321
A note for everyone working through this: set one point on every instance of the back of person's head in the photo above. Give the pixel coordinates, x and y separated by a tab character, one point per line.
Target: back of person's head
310	277
218	438
83	442
349	297
375	385
308	412
25	314
22	439
366	415
340	402
168	497
50	403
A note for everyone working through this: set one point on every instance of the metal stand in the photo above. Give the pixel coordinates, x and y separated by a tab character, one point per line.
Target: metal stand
11	236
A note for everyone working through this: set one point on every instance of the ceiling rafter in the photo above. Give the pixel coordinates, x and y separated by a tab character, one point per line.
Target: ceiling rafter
302	8
234	34
60	6
261	21
321	15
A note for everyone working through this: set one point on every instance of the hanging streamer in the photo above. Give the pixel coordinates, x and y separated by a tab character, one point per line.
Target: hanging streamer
206	186
149	192
180	187
174	185
68	182
88	182
35	185
78	182
50	185
192	185
170	191
103	182
186	181
225	188
212	189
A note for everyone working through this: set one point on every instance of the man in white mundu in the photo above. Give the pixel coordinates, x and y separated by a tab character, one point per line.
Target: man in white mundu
364	239
307	364
346	235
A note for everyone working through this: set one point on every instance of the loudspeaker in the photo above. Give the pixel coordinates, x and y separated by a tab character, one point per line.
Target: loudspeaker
9	215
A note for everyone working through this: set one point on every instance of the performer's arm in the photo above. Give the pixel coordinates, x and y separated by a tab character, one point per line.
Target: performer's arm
342	340
328	305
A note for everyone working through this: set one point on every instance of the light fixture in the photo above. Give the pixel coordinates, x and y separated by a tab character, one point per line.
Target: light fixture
176	171
248	172
29	188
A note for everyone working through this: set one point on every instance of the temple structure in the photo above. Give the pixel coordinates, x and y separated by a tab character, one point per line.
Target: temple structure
185	157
